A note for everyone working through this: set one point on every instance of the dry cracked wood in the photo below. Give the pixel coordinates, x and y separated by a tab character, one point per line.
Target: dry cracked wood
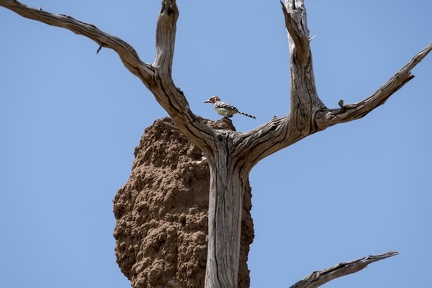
231	155
307	113
319	278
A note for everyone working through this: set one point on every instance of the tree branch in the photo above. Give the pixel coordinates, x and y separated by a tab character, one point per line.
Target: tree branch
304	101
232	151
127	53
165	36
349	112
295	22
319	278
166	93
157	77
307	112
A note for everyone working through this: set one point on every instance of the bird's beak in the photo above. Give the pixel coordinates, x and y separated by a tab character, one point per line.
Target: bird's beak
207	101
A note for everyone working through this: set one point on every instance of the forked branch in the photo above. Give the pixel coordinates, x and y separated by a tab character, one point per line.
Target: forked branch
157	77
306	116
319	278
307	113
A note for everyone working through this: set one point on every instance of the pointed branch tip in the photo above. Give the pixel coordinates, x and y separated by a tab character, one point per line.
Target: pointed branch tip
319	278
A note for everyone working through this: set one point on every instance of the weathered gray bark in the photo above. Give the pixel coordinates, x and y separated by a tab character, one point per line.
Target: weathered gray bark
225	206
232	155
319	278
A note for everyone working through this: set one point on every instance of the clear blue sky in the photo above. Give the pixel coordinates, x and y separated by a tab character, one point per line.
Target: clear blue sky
70	120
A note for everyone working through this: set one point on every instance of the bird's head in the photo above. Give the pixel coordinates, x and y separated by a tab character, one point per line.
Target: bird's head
212	99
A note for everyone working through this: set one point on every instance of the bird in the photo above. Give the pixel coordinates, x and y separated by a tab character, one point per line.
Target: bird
225	109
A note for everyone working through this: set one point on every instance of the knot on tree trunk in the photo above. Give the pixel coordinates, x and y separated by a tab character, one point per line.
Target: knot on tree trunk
161	212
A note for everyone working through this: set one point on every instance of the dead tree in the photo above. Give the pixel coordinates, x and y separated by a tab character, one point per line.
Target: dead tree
231	155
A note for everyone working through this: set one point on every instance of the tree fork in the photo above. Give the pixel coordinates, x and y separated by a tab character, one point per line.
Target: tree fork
231	154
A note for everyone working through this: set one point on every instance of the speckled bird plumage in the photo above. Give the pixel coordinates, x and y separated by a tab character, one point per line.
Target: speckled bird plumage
225	109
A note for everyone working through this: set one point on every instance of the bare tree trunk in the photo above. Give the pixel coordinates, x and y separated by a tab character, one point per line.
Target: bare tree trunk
231	154
224	219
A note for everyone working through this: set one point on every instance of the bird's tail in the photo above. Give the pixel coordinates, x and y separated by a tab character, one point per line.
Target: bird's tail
248	115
